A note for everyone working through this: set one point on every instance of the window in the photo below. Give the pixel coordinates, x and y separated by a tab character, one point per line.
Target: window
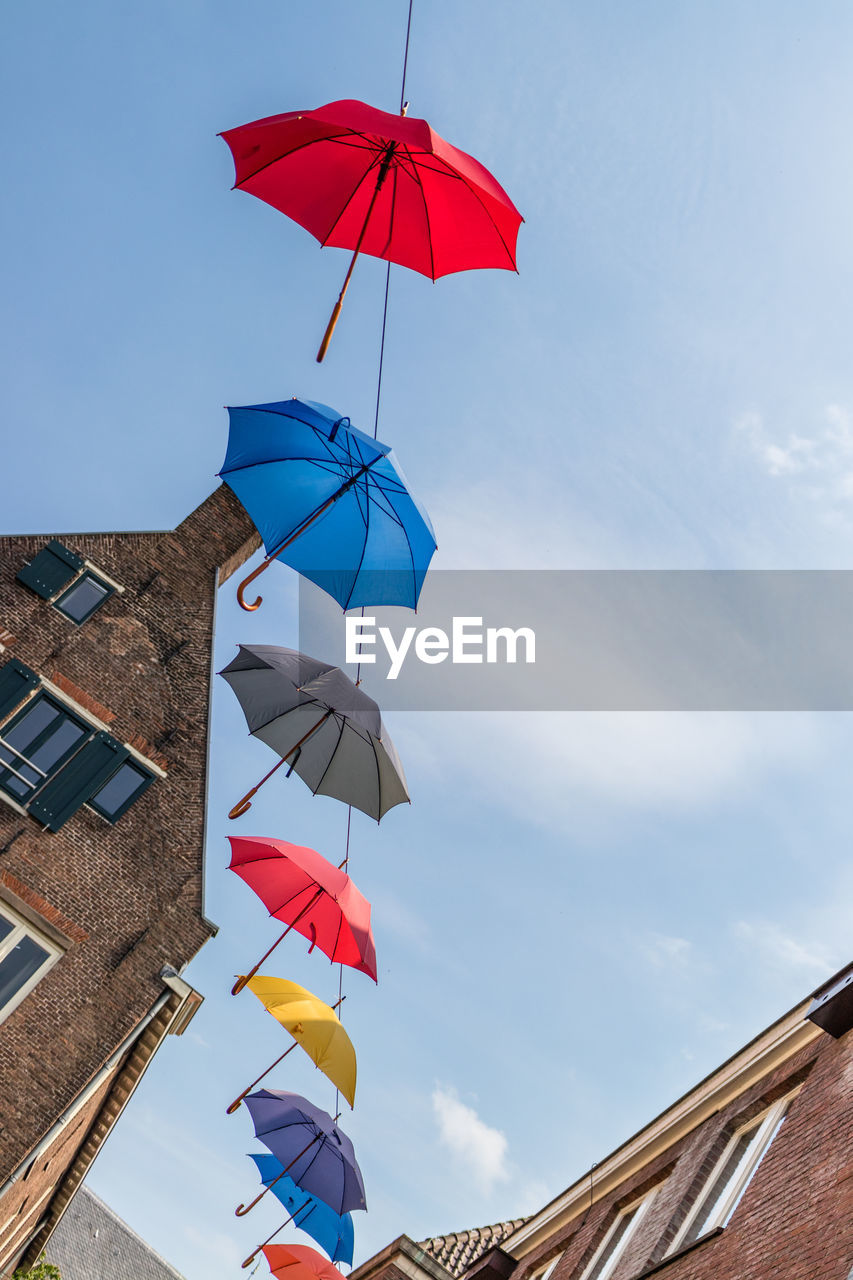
733	1173
86	594
53	760
25	957
117	794
72	586
35	743
604	1260
548	1270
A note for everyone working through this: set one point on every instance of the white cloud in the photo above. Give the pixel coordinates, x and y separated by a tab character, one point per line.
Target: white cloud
664	952
818	465
479	1148
783	951
550	767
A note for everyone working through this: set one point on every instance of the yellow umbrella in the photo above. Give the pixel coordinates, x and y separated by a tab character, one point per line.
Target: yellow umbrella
314	1025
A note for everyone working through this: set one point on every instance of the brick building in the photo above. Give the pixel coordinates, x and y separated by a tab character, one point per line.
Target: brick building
747	1177
105	663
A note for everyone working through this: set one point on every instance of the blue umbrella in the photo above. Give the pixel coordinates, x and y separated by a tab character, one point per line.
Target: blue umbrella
329	501
332	1232
309	1146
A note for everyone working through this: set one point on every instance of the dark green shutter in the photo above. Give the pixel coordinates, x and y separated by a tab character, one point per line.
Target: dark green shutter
16	681
50	570
77	781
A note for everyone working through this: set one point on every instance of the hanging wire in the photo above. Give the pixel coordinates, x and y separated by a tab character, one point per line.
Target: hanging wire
381	357
592	1169
345	864
406	57
388	268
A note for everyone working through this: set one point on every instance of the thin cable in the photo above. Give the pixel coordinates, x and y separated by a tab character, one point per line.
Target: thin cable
406	57
388	269
592	1169
381	355
343	867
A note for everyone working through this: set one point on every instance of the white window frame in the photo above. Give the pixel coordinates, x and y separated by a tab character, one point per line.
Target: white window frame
755	1153
549	1268
639	1208
22	928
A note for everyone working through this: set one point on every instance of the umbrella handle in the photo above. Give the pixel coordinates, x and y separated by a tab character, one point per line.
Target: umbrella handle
236	1103
243	807
242	1210
250	608
241	981
246	803
336	311
251	1259
315	515
330	327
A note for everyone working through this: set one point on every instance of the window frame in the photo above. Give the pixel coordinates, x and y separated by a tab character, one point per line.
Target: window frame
94	729
86	572
545	1273
21	927
638	1207
19	713
769	1122
148	777
78	569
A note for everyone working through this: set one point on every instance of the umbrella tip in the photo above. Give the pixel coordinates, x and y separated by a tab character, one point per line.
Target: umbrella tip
404	108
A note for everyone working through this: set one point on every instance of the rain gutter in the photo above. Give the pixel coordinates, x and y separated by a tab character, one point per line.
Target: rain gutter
92	1087
214	928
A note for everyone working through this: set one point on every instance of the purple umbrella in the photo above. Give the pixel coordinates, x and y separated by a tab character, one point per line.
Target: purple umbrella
311	1148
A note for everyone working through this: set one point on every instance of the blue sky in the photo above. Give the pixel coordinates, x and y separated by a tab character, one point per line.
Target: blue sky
580	915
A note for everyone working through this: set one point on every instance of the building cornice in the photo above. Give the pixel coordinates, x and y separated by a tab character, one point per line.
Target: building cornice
779	1043
408	1257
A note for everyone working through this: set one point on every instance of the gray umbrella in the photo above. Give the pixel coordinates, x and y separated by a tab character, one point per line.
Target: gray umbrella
317	720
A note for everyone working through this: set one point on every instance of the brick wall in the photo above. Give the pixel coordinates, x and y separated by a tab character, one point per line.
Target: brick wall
126	897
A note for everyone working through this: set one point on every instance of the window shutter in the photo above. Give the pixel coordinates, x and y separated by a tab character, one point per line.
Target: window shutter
74	784
16	681
50	570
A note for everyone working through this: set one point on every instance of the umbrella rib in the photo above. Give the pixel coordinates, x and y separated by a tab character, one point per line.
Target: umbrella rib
377	160
305	889
329	137
332	755
378	776
387	249
475	193
428	227
324	1141
366	518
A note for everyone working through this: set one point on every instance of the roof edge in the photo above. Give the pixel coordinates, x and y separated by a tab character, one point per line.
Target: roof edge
777	1043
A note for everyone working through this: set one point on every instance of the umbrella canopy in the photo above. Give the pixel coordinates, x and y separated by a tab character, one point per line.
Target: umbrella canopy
310	1147
355	176
314	1026
329	501
299	1262
332	1231
314	716
302	889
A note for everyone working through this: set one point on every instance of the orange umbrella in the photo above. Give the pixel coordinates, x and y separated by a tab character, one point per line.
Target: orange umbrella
299	1262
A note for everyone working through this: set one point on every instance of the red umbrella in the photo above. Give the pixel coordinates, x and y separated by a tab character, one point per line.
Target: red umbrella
363	179
298	1262
307	893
